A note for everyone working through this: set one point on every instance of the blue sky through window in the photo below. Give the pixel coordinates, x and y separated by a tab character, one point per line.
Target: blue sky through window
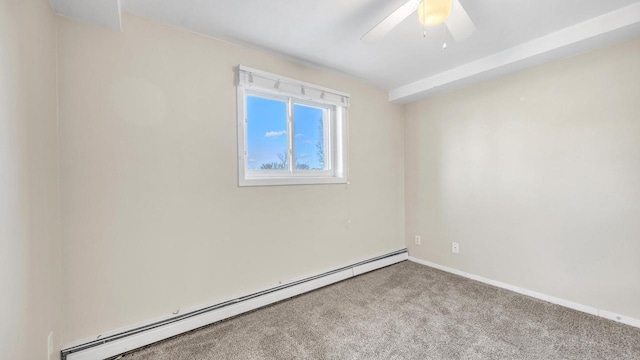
309	143
266	131
267	138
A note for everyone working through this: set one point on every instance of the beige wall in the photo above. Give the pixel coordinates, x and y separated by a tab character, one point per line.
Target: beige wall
30	283
537	176
153	218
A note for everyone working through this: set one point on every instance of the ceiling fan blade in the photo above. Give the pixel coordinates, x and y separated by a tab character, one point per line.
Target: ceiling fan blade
459	23
391	21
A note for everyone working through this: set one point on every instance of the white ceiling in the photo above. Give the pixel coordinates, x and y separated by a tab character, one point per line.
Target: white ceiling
100	12
512	34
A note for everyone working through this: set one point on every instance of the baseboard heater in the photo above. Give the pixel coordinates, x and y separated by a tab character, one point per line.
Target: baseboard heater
120	343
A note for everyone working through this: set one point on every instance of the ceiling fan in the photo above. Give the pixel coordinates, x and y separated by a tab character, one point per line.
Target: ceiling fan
430	13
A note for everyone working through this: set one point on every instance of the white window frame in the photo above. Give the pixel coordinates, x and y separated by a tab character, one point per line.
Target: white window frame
335	129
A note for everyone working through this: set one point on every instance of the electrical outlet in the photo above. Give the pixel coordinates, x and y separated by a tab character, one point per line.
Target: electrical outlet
455	248
50	345
418	240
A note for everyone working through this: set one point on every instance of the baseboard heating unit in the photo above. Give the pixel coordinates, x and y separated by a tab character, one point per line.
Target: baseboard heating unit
122	342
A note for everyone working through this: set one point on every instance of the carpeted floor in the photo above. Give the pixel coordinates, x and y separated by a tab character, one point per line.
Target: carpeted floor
405	311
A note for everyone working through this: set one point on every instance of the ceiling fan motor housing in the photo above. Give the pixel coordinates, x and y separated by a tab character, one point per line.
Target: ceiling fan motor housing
434	12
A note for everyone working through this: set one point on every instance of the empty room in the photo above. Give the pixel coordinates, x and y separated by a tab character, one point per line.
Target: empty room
319	179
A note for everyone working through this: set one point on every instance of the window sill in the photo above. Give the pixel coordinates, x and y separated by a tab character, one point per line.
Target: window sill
274	181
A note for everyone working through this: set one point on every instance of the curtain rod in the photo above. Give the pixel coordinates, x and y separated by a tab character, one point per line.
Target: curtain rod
294	82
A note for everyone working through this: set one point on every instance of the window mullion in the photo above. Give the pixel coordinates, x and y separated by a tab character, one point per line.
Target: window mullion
290	130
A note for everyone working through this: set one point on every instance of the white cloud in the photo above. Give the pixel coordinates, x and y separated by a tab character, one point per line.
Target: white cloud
302	156
275	133
299	135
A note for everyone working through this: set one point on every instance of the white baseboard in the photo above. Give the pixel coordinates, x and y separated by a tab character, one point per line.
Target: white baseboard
119	343
554	300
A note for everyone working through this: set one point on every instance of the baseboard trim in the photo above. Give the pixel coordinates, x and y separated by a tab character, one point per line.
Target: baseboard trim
120	343
554	300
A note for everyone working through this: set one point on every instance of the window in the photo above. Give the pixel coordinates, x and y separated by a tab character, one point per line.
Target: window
289	132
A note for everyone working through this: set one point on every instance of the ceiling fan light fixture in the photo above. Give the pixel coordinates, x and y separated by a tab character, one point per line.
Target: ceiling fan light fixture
434	12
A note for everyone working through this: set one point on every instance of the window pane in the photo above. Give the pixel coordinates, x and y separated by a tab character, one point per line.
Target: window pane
309	144
267	140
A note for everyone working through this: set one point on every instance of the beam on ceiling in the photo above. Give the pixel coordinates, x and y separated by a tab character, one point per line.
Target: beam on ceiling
616	26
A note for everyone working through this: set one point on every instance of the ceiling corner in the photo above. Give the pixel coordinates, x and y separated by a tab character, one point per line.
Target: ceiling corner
106	13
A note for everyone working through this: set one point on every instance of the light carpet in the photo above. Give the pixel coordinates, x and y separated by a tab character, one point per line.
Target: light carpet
405	311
